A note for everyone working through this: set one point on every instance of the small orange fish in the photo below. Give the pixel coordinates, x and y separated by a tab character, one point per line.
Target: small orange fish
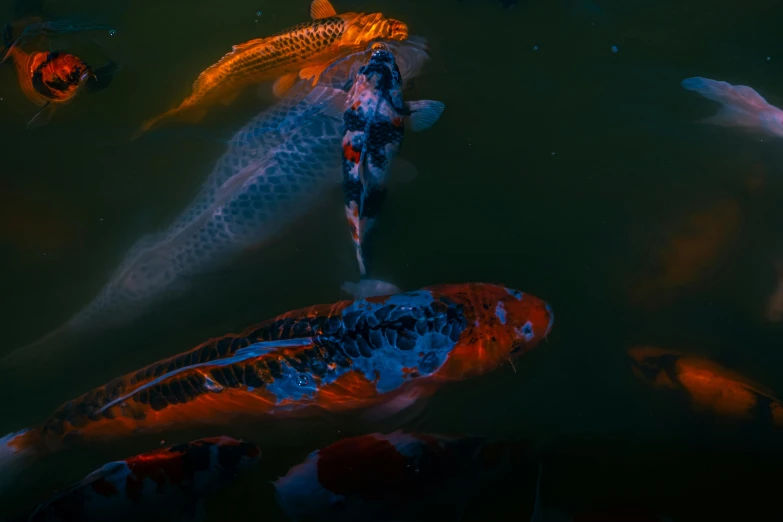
303	51
710	387
50	78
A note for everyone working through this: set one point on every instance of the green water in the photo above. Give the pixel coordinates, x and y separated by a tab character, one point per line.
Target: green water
558	168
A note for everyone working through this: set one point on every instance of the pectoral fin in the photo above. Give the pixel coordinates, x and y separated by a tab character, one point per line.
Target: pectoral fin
402	171
41	117
284	83
397	404
423	114
314	72
321	9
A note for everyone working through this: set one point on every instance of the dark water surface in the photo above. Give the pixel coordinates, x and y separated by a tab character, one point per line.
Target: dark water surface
560	168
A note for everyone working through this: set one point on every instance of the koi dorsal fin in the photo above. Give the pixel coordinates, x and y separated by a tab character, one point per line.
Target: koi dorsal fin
215	67
322	9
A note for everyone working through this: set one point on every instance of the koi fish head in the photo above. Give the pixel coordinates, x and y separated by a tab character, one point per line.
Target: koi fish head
58	76
654	365
381	72
368	27
501	323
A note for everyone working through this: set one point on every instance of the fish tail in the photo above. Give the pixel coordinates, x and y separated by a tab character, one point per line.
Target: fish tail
360	259
18	451
190	116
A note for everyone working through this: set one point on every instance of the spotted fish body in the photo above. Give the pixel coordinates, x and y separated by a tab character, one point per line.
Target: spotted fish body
383	477
274	170
374	130
347	355
166	482
304	50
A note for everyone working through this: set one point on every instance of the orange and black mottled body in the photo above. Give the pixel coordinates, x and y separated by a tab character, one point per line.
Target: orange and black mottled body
347	355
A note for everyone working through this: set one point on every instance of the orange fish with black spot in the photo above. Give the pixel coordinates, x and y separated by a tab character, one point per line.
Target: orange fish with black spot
303	51
51	78
709	386
380	355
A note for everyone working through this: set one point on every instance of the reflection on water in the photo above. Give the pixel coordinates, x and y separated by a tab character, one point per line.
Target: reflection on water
572	163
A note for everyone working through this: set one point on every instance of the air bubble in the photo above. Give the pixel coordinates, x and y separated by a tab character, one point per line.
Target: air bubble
615	49
112	32
302	379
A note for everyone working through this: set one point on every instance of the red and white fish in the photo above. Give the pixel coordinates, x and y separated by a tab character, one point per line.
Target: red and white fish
383	477
380	353
168	482
374	129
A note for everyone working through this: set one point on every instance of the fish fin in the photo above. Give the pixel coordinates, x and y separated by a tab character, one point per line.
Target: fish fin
243	354
423	114
402	171
41	117
188	116
369	288
17	452
397	404
336	105
321	9
283	84
103	77
241	47
314	72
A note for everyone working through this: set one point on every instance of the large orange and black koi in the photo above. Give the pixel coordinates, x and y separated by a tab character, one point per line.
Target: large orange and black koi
169	482
382	353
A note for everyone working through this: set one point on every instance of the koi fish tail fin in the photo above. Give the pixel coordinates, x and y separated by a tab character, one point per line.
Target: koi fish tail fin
189	116
17	452
102	77
360	259
741	106
369	288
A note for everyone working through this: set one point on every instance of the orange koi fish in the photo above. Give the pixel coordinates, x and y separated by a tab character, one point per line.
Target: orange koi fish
303	51
709	386
381	354
52	78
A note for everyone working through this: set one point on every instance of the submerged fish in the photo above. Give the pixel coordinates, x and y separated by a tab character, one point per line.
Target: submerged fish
274	170
303	51
374	129
709	386
741	106
165	483
380	477
48	78
381	354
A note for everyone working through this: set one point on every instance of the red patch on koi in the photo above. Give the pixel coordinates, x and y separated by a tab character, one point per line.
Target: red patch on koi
362	465
159	466
351	154
397	121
